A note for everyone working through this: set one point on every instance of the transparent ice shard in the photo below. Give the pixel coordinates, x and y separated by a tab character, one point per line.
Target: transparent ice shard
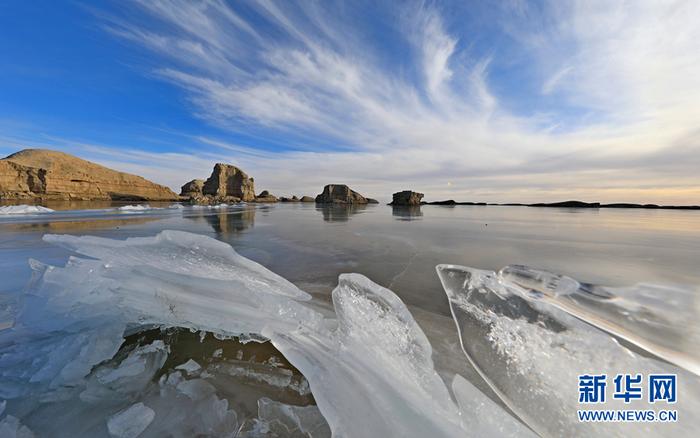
662	320
483	417
373	375
531	353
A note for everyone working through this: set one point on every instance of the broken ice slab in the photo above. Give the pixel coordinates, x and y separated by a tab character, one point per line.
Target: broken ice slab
277	419
660	319
196	256
130	422
531	353
373	375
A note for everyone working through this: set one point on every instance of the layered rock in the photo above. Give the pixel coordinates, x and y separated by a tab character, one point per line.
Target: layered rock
229	181
406	197
340	194
193	188
50	175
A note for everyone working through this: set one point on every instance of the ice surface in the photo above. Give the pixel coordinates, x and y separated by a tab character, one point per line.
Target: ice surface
24	209
531	352
130	422
64	370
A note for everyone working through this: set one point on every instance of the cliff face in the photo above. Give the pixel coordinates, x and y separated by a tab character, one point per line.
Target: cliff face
51	175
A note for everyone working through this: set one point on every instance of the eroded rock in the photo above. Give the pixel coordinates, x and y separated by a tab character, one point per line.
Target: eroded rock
340	194
228	180
43	174
406	197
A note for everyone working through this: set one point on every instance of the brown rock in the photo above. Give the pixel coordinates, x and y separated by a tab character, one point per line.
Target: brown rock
406	197
340	194
307	199
266	196
228	180
192	188
292	199
51	175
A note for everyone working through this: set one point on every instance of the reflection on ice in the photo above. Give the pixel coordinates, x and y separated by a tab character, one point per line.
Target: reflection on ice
531	350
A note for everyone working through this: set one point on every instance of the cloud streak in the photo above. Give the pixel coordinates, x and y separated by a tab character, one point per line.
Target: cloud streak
560	100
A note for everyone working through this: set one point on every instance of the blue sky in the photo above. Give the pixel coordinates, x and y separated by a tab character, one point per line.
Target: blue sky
498	101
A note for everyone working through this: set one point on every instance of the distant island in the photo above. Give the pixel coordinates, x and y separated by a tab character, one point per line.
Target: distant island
44	175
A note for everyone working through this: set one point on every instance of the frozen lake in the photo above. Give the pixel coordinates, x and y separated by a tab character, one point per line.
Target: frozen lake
397	248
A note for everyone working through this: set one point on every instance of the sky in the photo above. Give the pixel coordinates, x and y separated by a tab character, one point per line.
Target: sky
510	101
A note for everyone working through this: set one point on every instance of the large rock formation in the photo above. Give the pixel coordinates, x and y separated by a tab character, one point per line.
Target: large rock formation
193	188
406	197
340	194
41	174
229	181
307	199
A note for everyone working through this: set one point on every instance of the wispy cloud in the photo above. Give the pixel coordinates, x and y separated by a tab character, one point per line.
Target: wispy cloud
418	98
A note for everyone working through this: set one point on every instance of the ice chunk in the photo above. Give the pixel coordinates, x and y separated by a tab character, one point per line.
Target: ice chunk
130	375
374	370
277	419
660	319
136	208
24	209
190	367
130	422
182	253
11	427
531	353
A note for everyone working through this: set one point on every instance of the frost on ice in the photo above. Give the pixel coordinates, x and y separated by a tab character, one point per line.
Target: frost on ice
530	334
370	368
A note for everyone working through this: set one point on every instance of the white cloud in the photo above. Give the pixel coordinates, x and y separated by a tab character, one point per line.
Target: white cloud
635	67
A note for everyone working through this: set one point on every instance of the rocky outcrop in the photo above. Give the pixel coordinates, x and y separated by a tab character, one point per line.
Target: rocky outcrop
406	197
340	194
42	174
292	199
229	181
307	199
193	188
266	196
